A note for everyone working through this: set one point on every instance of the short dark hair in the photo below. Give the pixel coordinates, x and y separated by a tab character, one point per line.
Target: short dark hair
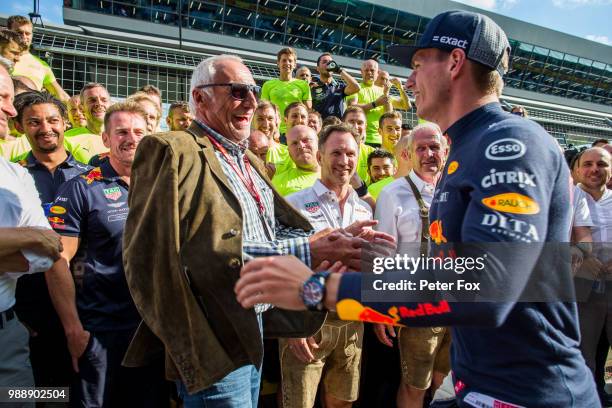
351	109
26	99
342	128
331	120
292	105
18	20
184	106
323	55
379	154
6	36
406	126
389	115
604	141
90	85
150	89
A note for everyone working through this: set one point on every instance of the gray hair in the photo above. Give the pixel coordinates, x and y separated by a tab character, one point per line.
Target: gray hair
435	129
6	63
204	74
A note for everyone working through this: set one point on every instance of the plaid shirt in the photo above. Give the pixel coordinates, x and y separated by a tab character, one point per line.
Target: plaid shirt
263	235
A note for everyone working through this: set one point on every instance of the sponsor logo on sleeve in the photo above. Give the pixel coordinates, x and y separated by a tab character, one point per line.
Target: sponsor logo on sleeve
113	193
93	175
505	149
514	203
56	220
508	177
56	209
510	227
435	232
452	167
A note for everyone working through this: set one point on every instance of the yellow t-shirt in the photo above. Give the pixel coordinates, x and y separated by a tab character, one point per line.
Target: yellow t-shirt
362	162
375	188
283	93
277	154
35	69
15	150
88	144
290	179
368	94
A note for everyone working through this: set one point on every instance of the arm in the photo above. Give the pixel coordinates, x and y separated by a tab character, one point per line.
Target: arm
352	86
306	96
41	241
56	90
403	103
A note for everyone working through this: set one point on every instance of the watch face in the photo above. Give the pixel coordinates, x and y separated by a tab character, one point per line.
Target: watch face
313	293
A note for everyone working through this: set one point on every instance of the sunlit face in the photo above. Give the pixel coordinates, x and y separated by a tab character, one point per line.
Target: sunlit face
369	71
11	51
217	107
594	169
296	116
44	126
7	94
322	65
429	83
152	115
259	144
302	146
266	121
338	158
314	122
390	131
75	113
426	154
94	102
380	168
358	121
179	119
124	133
286	63
25	31
304	74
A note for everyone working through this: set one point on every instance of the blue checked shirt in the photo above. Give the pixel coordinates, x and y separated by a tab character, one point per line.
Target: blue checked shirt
263	235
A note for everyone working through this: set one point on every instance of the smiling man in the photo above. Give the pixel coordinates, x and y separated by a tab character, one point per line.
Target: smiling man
200	201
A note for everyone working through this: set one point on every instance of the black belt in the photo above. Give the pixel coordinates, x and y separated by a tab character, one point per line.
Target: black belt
6	316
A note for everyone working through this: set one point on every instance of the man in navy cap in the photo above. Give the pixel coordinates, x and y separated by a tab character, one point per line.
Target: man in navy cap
504	192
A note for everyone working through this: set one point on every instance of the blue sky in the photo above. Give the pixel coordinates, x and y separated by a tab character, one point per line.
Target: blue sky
583	18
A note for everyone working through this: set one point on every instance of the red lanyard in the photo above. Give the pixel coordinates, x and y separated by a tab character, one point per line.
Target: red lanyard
249	184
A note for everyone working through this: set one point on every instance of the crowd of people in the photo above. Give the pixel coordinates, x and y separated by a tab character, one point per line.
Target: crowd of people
213	265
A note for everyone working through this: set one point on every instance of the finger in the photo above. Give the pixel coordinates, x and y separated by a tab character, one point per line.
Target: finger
391	331
336	267
75	364
255	264
312	343
323	266
307	353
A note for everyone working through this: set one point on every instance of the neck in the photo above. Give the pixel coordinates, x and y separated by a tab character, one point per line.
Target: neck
95	128
426	176
459	107
403	169
595	192
123	170
52	159
309	167
341	190
286	76
325	78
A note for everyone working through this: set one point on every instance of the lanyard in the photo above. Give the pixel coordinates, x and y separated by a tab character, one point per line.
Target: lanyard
249	184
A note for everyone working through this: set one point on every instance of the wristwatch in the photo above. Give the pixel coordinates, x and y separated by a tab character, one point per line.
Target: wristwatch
313	291
373	104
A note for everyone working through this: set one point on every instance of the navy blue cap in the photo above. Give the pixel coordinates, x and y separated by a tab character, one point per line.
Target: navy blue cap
480	37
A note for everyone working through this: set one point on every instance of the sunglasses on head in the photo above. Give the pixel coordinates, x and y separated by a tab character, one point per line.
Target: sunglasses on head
238	91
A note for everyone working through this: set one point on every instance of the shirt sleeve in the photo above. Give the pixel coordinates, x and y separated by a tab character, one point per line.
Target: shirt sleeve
306	96
386	214
71	201
503	267
265	91
289	241
49	76
582	214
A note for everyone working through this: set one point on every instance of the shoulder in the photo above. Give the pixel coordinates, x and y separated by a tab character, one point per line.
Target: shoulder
301	197
391	190
15	170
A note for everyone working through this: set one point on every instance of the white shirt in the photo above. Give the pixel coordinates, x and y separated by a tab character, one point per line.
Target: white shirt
398	213
601	214
21	207
582	214
320	206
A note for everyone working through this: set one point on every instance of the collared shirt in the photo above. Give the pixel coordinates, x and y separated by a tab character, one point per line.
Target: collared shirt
20	208
398	213
582	214
263	234
327	99
321	207
601	215
94	207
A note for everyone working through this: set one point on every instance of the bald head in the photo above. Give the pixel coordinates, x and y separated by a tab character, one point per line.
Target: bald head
594	168
369	71
259	144
302	146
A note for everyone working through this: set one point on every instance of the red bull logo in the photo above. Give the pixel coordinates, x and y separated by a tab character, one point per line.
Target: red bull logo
93	175
55	220
350	309
435	232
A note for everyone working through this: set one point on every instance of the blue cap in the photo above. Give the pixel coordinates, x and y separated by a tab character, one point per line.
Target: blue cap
480	37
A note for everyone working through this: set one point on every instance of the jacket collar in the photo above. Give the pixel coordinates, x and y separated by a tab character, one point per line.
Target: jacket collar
31	161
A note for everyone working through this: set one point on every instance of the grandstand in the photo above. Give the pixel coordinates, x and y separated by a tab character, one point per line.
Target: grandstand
109	41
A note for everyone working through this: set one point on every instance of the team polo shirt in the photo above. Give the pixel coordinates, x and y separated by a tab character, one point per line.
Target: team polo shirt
362	162
33	302
289	178
368	94
327	99
374	189
34	68
18	149
283	93
321	207
503	353
94	208
87	142
277	154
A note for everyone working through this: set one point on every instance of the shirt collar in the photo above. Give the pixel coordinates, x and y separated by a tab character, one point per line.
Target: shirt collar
322	191
457	129
31	161
235	149
420	183
108	172
332	82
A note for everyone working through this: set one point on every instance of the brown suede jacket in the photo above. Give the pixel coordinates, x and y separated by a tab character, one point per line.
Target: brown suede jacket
182	251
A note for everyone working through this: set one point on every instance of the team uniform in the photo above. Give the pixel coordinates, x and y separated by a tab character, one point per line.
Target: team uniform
368	94
283	93
90	144
527	201
362	162
289	178
35	69
327	99
93	207
277	154
375	189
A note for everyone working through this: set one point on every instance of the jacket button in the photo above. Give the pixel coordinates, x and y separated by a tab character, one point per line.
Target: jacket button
235	263
233	232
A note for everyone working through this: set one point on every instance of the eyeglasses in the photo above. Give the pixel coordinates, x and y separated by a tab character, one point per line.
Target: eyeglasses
238	91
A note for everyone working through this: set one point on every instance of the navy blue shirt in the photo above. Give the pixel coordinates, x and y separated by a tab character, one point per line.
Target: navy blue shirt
33	303
96	207
328	100
522	353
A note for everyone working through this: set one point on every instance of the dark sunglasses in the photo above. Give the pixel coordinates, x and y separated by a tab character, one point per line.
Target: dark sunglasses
238	91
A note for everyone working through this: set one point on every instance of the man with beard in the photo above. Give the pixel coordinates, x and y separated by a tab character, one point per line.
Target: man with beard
41	118
380	165
302	170
89	213
328	94
95	100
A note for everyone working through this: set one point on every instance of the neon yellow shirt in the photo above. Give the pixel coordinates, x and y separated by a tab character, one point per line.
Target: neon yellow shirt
289	179
368	94
89	145
77	131
277	154
283	93
15	150
35	69
362	162
375	188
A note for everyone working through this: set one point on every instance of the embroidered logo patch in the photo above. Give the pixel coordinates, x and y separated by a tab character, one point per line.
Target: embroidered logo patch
112	193
312	207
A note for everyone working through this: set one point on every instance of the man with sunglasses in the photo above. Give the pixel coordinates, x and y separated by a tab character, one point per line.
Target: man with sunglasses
200	207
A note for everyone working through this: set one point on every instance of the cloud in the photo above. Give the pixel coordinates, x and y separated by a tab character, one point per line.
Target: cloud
490	4
572	4
20	8
600	38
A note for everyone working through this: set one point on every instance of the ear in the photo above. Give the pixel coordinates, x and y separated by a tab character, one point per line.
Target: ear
456	60
318	157
18	126
405	154
106	139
